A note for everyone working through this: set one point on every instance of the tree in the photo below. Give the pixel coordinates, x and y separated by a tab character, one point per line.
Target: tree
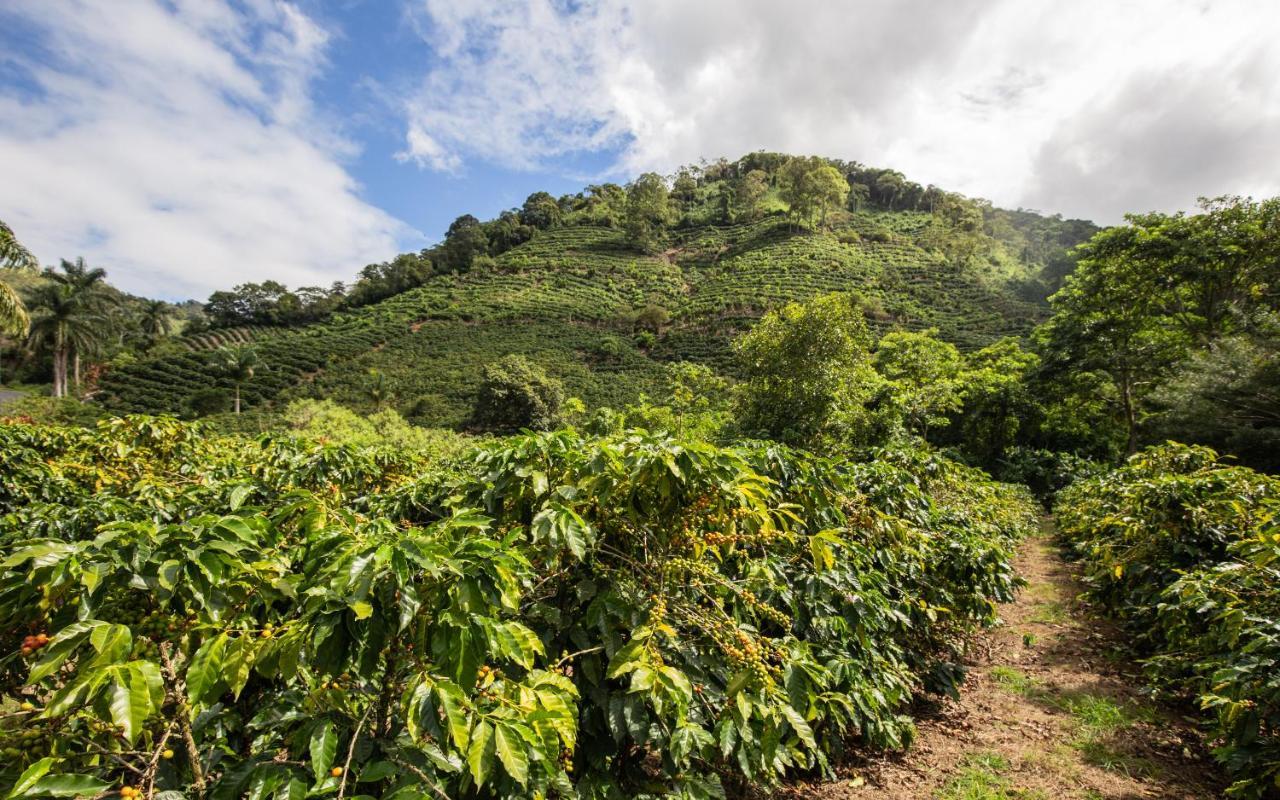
812	187
1227	396
648	211
996	400
515	393
889	187
540	211
1105	321
464	241
239	365
807	374
154	319
14	319
684	189
859	194
923	378
88	288
749	191
651	318
63	324
378	389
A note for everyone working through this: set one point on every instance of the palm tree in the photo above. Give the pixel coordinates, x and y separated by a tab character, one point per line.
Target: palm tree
89	287
63	325
154	320
238	364
14	320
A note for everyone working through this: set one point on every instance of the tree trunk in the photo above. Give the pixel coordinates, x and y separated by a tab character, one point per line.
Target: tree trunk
59	372
1130	417
237	398
76	362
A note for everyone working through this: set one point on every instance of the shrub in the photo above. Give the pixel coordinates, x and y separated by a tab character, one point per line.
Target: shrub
1186	552
204	402
618	617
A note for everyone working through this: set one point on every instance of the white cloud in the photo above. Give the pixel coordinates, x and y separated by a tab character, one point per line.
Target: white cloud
175	144
1085	108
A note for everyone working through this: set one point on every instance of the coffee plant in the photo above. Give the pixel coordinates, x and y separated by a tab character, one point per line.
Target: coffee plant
197	616
1185	550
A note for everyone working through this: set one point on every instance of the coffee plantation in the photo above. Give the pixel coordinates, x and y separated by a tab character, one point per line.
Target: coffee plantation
1185	550
548	615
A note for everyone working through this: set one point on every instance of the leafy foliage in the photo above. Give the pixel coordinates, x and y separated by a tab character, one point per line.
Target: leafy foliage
621	617
1186	551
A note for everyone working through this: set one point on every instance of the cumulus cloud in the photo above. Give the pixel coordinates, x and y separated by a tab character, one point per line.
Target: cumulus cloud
175	144
1089	109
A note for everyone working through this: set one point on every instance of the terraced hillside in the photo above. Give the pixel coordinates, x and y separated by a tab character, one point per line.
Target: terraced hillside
568	298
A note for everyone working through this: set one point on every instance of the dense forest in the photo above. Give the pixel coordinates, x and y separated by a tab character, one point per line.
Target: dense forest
684	488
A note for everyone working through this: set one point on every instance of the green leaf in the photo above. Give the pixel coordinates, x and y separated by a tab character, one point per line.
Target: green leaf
30	776
324	746
66	786
510	749
480	753
800	726
453	701
60	648
130	702
205	670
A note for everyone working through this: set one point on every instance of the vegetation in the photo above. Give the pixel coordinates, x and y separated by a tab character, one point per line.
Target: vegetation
666	490
322	619
1184	549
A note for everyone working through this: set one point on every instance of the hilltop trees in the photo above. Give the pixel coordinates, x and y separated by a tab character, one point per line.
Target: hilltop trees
812	187
648	211
540	211
464	240
749	190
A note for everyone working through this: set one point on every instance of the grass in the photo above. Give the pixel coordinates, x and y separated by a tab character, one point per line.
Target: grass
982	777
1013	680
1051	613
1099	723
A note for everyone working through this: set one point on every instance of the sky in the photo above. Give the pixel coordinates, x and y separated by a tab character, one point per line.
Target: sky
192	145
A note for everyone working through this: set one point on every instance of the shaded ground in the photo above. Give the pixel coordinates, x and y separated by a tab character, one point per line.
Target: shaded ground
6	395
1049	712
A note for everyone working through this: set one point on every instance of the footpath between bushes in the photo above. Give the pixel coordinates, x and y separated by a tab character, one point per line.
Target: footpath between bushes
1050	711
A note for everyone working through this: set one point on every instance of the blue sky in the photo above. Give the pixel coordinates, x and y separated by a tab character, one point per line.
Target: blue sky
190	145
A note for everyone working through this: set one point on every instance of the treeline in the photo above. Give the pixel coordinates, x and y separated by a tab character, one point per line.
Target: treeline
813	192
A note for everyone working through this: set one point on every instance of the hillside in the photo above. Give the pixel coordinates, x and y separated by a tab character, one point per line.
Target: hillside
569	298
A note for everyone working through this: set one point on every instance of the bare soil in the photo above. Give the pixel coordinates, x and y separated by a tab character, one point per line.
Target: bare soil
1050	710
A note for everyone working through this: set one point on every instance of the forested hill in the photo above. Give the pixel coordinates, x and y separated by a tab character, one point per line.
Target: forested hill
604	287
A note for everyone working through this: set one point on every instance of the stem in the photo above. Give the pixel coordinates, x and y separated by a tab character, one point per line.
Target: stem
178	692
351	751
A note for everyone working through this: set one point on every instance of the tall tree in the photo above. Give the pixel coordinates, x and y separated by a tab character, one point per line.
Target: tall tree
749	190
88	288
239	365
63	324
155	320
812	187
648	211
13	312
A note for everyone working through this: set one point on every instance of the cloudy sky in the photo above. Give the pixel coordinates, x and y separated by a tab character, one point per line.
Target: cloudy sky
188	145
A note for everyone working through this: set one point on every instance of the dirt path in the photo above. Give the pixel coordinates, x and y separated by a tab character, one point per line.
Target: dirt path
1049	712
